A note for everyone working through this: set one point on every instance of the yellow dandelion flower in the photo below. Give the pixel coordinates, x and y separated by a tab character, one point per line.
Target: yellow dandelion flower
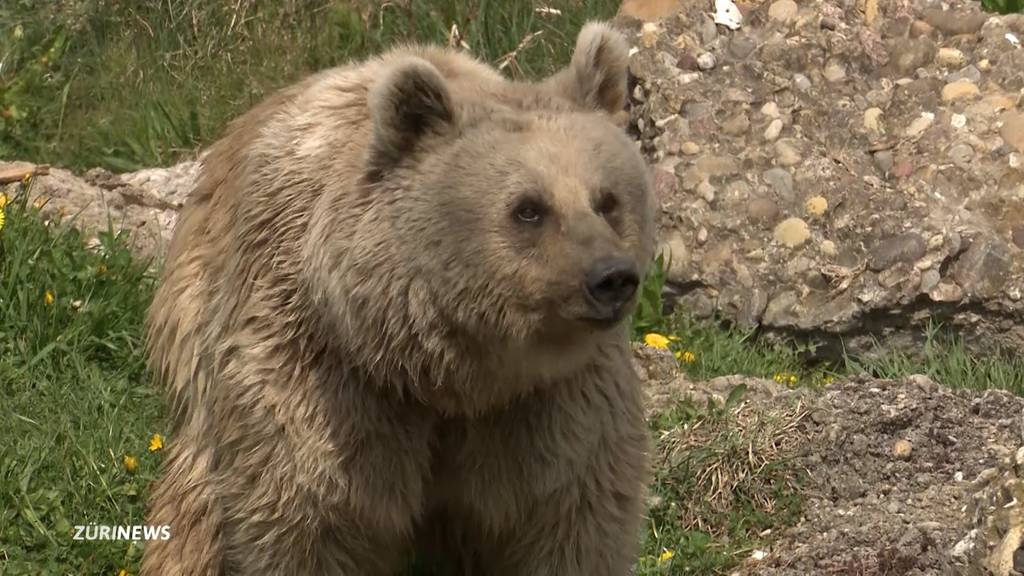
48	297
156	443
688	357
3	219
4	200
130	463
666	556
123	572
655	340
792	378
828	380
25	180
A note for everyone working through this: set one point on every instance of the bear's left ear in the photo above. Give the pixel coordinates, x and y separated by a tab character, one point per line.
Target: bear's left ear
408	102
596	76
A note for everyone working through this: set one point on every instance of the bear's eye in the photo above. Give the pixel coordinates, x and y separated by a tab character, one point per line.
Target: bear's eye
608	204
529	212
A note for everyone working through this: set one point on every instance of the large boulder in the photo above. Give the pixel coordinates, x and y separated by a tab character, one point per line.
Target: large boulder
842	169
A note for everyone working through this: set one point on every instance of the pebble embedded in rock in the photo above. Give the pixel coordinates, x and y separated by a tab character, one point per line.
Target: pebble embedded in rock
1017	234
774	130
960	90
906	248
792	232
689	148
737	125
873	119
649	34
950	57
969	73
834	72
901	449
1012	131
883	160
801	82
782	10
920	124
786	154
770	109
816	205
762	210
781	181
706	61
961	153
706	191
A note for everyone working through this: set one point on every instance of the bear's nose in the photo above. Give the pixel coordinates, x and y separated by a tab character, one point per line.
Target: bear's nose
610	283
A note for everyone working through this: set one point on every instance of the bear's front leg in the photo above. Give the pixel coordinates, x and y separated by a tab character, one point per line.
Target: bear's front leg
555	484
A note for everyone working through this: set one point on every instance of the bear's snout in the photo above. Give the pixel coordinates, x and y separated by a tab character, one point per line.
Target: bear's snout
610	284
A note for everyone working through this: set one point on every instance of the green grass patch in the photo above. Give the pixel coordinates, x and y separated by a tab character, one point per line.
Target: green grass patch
76	396
945	358
723	481
126	85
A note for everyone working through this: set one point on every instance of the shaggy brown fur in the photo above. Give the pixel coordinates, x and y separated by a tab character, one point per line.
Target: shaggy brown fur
375	334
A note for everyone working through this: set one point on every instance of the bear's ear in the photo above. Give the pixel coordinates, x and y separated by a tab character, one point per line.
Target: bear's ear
407	103
596	76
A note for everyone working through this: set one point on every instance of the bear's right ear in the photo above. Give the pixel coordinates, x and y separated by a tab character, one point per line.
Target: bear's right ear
596	75
408	102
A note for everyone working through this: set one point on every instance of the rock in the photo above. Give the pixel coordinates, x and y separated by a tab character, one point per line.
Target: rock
689	148
960	90
774	130
906	248
781	181
834	72
782	10
920	124
762	210
713	166
706	61
873	119
1012	130
883	160
983	269
961	154
953	22
649	34
786	154
792	232
950	57
904	128
816	206
968	73
649	10
1017	235
901	449
144	203
736	125
946	292
909	54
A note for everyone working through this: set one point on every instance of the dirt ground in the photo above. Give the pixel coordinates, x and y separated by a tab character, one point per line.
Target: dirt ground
902	477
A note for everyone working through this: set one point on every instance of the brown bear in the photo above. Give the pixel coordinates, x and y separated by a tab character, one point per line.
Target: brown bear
392	324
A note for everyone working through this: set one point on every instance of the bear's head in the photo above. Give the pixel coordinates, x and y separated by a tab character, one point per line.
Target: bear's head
518	216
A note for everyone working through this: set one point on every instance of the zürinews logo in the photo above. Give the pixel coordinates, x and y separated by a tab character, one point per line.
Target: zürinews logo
137	533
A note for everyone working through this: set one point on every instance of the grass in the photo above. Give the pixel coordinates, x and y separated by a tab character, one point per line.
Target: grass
76	396
722	482
127	85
